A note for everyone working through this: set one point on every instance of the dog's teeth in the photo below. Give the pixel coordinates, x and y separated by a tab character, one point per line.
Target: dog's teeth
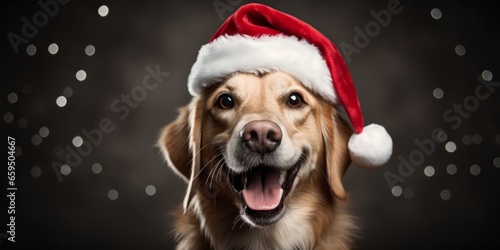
282	177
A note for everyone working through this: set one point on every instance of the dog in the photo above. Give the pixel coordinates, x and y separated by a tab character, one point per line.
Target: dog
263	157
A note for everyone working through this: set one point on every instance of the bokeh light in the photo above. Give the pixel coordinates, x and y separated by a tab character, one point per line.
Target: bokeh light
150	190
477	139
53	48
475	169
397	191
496	162
450	147
487	75
445	194
429	171
12	97
466	139
61	101
36	172
31	50
8	117
460	50
90	50
436	13
65	169
451	169
77	141
81	75
96	168
408	193
36	140
113	194
103	11
438	93
44	132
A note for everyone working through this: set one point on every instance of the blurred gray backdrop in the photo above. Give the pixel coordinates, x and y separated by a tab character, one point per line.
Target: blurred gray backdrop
72	84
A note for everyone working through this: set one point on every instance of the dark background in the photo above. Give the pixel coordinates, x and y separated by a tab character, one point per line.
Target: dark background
395	74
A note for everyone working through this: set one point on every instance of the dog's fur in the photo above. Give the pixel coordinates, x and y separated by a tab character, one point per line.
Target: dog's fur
204	138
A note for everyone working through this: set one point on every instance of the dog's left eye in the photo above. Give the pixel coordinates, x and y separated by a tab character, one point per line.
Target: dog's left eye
295	100
225	101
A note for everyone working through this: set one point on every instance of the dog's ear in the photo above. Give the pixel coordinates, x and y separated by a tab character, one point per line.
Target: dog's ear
336	134
180	144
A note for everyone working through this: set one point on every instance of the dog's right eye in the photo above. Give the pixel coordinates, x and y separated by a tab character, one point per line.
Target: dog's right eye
295	100
225	101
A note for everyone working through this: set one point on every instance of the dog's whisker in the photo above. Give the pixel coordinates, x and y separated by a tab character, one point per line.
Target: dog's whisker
204	166
208	180
211	171
241	222
202	148
237	220
214	170
208	163
217	170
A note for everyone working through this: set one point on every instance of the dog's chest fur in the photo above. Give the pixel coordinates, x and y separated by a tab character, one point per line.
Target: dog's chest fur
301	228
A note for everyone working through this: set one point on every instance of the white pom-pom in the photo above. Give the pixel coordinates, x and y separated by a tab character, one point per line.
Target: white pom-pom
370	148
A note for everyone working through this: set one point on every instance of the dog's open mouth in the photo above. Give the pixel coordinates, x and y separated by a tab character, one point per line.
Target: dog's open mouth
263	190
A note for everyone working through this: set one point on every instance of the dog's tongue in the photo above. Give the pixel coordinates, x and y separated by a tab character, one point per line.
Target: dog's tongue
263	190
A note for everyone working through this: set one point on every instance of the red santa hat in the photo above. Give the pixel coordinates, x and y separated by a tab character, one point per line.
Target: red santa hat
259	39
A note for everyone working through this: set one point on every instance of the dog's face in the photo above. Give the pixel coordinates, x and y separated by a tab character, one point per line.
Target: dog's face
260	138
265	134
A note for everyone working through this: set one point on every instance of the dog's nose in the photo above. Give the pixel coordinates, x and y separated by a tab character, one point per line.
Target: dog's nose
261	136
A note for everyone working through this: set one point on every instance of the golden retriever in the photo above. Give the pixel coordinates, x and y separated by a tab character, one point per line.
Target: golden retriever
263	157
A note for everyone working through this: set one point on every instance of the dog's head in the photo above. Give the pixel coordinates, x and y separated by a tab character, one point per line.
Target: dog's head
260	138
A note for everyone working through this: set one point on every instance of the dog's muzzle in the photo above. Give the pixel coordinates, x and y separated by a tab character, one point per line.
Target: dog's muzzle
262	187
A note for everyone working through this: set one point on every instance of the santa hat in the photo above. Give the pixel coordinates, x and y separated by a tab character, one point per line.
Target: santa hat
259	39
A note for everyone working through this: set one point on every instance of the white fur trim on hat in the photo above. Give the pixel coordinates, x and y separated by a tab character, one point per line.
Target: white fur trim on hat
239	53
372	147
